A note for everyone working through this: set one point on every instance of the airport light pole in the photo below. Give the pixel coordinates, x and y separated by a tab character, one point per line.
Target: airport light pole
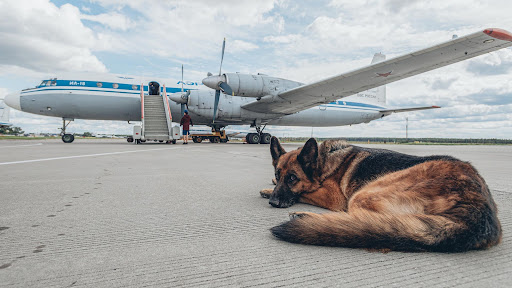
407	129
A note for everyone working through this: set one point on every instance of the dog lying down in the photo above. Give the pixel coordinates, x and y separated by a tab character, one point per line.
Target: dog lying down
382	199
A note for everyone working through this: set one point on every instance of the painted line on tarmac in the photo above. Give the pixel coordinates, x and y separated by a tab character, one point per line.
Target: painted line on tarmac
14	146
85	156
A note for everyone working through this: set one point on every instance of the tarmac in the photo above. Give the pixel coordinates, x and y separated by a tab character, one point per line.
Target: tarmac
106	213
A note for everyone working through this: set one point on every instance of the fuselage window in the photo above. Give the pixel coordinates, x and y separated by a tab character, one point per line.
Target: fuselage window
135	87
99	84
115	85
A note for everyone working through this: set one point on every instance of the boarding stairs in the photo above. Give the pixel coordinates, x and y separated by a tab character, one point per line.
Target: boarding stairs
156	118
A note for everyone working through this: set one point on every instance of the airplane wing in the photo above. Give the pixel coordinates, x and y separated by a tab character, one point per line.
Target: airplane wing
381	73
398	110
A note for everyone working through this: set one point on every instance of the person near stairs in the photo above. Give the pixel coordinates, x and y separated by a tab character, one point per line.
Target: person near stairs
186	122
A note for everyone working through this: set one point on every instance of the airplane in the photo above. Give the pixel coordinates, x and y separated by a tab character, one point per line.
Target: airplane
258	100
4	115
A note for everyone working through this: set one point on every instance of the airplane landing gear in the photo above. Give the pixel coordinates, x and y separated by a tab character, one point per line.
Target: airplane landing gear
259	137
66	138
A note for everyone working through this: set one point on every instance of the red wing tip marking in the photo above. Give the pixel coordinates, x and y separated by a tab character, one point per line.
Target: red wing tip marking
499	34
436	106
384	74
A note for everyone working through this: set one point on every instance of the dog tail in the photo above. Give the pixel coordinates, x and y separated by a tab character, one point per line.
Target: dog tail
372	230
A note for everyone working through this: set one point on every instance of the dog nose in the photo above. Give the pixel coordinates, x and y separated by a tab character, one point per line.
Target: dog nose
274	202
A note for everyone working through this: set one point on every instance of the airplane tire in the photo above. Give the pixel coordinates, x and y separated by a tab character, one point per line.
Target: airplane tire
253	138
68	138
265	138
216	140
129	139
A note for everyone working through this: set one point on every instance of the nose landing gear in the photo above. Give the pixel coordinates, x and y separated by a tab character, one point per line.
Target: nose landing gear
66	138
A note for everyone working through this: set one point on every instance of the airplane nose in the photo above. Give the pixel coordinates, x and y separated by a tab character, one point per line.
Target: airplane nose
13	100
213	81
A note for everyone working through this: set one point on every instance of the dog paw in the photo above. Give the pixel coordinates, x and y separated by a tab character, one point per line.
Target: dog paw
265	193
274	181
295	215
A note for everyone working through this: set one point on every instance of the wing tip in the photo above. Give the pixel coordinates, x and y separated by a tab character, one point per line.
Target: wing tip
435	106
499	34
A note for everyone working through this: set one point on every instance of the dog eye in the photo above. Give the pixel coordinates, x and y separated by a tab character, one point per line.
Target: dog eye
292	178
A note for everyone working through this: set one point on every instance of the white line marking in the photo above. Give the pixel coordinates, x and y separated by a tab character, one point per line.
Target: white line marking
84	156
21	145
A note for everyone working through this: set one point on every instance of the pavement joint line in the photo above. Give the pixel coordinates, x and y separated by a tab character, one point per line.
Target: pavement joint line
16	146
86	155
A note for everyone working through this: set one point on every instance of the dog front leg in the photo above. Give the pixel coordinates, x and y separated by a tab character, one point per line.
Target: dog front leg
265	193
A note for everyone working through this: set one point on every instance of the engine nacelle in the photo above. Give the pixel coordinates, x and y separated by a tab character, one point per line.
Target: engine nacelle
248	85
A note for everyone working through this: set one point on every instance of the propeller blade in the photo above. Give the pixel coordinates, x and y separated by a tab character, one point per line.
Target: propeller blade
226	88
222	56
216	104
181	80
182	110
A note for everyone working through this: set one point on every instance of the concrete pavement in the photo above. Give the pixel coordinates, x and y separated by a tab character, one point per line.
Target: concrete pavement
105	213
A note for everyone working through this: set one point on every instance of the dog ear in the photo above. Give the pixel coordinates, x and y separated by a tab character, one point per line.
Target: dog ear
308	156
276	150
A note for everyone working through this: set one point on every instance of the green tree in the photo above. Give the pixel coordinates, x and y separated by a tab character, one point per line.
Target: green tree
12	130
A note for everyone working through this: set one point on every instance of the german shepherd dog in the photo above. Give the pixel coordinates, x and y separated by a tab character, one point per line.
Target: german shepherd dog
382	200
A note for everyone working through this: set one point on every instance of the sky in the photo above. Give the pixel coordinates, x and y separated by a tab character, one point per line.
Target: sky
300	40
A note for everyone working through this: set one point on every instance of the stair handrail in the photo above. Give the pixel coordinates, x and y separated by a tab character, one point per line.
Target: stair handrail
168	115
142	110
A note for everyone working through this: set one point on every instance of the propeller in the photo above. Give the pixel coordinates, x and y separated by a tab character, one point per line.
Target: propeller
188	92
219	83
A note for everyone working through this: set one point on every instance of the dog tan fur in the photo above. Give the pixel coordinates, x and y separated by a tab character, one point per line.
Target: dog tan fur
382	199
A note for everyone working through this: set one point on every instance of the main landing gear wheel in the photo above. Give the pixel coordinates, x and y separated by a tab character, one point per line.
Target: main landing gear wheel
68	138
265	138
253	138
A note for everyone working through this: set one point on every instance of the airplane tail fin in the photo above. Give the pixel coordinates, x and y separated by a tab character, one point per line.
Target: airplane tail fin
380	92
375	96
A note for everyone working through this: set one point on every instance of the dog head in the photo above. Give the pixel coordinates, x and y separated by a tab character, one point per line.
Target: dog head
295	172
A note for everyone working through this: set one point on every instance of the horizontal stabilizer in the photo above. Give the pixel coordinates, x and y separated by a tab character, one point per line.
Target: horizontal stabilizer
389	111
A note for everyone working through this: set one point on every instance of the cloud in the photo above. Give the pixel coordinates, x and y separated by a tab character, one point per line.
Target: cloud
113	20
42	37
241	46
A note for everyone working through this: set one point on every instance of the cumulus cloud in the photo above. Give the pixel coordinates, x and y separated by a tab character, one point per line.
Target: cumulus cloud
43	37
113	20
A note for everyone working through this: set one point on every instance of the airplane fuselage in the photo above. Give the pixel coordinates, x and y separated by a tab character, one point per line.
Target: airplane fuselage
102	100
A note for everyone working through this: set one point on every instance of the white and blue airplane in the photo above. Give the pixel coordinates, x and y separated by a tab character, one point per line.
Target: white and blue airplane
258	100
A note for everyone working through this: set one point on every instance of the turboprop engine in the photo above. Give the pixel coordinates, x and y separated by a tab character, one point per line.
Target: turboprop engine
180	97
248	85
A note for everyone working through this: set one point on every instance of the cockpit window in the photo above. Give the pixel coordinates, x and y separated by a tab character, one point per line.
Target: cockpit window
54	82
44	83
